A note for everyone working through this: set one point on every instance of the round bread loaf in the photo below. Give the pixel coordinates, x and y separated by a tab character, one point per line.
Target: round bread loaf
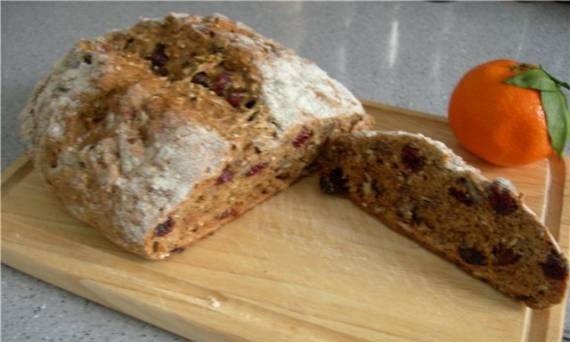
159	134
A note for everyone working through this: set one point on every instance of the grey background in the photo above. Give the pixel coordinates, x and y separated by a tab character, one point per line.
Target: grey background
404	54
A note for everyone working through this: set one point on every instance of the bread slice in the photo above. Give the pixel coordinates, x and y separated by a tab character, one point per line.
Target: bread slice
420	188
160	134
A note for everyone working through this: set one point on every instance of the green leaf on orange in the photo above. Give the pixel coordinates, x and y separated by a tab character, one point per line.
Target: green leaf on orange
557	118
534	79
553	102
559	82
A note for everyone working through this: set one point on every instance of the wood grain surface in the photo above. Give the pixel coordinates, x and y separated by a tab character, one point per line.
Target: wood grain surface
302	266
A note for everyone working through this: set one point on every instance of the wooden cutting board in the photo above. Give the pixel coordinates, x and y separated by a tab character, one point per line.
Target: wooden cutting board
302	266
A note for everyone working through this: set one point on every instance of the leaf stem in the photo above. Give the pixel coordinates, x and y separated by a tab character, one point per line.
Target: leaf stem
557	81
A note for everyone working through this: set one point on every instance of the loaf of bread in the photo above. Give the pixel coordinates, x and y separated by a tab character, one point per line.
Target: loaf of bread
420	188
159	134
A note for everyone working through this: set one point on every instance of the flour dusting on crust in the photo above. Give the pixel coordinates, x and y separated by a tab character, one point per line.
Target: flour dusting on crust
297	90
154	189
57	96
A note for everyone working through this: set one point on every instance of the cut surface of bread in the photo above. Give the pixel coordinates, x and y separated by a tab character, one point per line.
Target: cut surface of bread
161	133
421	189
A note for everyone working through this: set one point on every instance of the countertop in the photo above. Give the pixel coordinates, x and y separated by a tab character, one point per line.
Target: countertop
405	54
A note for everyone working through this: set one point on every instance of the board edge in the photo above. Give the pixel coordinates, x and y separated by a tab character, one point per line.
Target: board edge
14	172
409	112
535	332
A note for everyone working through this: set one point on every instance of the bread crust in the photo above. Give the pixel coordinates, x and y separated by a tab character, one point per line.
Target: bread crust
159	134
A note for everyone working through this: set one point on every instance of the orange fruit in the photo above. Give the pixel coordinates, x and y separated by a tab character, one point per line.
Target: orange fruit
501	123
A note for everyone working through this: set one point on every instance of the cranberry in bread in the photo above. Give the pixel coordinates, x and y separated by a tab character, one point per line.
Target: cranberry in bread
420	188
159	134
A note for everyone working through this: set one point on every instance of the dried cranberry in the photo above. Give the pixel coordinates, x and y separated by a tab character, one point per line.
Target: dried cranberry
255	169
221	83
333	182
555	266
461	195
164	228
504	256
250	104
472	256
226	176
235	97
501	199
159	58
202	79
411	158
302	137
177	250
